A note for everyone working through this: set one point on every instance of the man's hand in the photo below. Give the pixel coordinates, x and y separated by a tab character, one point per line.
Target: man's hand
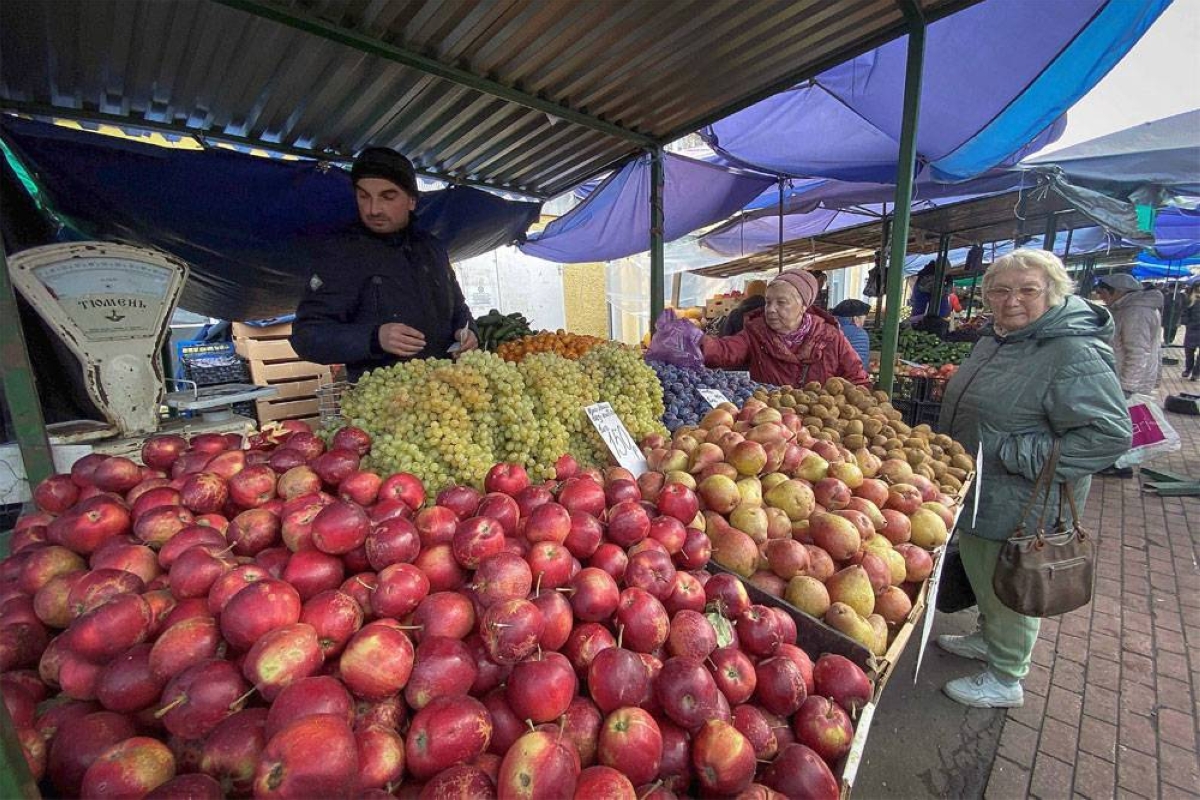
467	340
400	340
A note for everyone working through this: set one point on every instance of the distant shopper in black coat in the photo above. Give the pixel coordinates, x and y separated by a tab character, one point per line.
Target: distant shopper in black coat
384	291
1191	335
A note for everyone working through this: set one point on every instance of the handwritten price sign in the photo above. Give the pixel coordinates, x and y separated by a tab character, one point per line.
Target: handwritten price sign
616	436
714	397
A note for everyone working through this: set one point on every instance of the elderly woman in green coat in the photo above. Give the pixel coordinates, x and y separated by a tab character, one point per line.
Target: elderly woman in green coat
1046	372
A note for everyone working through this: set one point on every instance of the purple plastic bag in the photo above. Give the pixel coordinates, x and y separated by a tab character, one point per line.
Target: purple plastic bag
676	341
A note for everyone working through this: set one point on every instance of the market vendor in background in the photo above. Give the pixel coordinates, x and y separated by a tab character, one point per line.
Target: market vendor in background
384	291
755	299
851	314
790	341
1045	373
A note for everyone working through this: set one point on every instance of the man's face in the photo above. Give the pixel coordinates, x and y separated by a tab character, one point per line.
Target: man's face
382	205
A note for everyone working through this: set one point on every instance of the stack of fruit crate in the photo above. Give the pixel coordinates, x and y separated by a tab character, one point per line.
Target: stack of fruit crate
273	362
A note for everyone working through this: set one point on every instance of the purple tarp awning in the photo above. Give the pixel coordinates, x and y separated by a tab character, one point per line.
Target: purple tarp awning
614	221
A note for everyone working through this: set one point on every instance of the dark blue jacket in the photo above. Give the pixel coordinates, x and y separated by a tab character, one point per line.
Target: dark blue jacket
361	281
858	339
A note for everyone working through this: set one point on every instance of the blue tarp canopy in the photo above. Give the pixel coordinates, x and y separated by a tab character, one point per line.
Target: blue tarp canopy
998	78
246	224
614	220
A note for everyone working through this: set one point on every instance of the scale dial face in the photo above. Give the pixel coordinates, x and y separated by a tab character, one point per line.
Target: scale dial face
109	299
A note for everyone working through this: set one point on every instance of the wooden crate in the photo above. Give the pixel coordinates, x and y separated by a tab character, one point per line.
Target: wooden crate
274	363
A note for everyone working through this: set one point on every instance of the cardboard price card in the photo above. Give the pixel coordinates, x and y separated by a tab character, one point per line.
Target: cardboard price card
616	436
714	397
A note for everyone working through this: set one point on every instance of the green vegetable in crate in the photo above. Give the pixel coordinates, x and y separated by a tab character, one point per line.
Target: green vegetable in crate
924	348
496	328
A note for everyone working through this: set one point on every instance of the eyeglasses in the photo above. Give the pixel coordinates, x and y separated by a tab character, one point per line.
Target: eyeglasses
999	294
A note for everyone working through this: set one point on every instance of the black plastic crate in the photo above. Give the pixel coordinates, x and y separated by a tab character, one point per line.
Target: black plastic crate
926	412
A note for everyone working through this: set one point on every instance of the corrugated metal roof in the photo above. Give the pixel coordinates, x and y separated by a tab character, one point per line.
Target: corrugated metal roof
330	76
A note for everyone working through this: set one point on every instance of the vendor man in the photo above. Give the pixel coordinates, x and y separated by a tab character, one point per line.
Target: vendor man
384	291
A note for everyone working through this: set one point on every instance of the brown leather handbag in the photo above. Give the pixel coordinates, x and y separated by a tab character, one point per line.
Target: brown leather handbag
1045	574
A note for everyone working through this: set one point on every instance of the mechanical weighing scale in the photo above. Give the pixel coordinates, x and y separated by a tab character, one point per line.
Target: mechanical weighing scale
111	305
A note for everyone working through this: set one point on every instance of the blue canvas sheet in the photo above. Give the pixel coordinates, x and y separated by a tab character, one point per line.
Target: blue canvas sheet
245	224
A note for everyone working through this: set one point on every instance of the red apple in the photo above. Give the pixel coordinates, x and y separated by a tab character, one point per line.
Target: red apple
678	501
380	757
445	614
131	768
753	723
282	656
127	684
352	438
334	466
377	661
204	492
56	494
253	486
198	698
687	692
696	550
261	607
128	556
582	495
631	742
799	772
539	764
842	681
723	758
506	478
531	497
403	487
340	527
691	635
160	452
336	616
462	500
727	594
443	667
734	674
779	685
825	727
477	538
230	753
182	645
105	631
314	756
541	687
644	618
446	732
611	558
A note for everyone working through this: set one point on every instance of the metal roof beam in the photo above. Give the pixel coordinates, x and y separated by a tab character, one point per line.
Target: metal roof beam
375	47
99	117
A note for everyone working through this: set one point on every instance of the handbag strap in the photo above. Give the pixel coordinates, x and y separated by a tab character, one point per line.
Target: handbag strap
1044	483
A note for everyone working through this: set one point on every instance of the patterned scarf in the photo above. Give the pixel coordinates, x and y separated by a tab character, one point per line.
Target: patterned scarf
793	339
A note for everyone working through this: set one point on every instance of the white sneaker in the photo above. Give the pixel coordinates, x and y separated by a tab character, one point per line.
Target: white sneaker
985	691
970	646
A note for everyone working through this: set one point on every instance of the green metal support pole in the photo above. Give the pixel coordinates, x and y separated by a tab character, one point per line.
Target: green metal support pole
20	390
906	164
883	267
657	260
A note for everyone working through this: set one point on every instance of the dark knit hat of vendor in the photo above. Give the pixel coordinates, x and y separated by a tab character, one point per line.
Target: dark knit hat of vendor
1120	281
802	281
386	163
850	308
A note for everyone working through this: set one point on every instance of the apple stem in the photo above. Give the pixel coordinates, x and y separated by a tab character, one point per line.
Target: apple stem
652	788
236	704
567	590
361	582
620	634
529	722
537	589
169	707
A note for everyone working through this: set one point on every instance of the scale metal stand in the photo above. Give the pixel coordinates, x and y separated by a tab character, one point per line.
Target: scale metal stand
215	403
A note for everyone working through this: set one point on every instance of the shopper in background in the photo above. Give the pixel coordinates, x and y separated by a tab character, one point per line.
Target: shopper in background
1190	319
790	341
851	314
1137	314
384	291
1045	372
755	299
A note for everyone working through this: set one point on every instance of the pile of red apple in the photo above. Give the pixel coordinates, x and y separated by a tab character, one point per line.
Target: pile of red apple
265	619
842	536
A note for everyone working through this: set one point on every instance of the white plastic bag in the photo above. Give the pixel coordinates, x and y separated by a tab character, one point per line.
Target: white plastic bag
1152	434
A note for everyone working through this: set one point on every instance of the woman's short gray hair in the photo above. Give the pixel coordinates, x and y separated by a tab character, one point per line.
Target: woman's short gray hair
1058	283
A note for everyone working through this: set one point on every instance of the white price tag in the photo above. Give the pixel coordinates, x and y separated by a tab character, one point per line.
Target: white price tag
713	397
930	610
616	436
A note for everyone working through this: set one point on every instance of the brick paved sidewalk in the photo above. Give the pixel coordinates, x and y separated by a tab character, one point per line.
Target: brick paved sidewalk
1113	699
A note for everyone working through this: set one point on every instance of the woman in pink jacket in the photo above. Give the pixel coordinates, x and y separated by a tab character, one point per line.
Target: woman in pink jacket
790	341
